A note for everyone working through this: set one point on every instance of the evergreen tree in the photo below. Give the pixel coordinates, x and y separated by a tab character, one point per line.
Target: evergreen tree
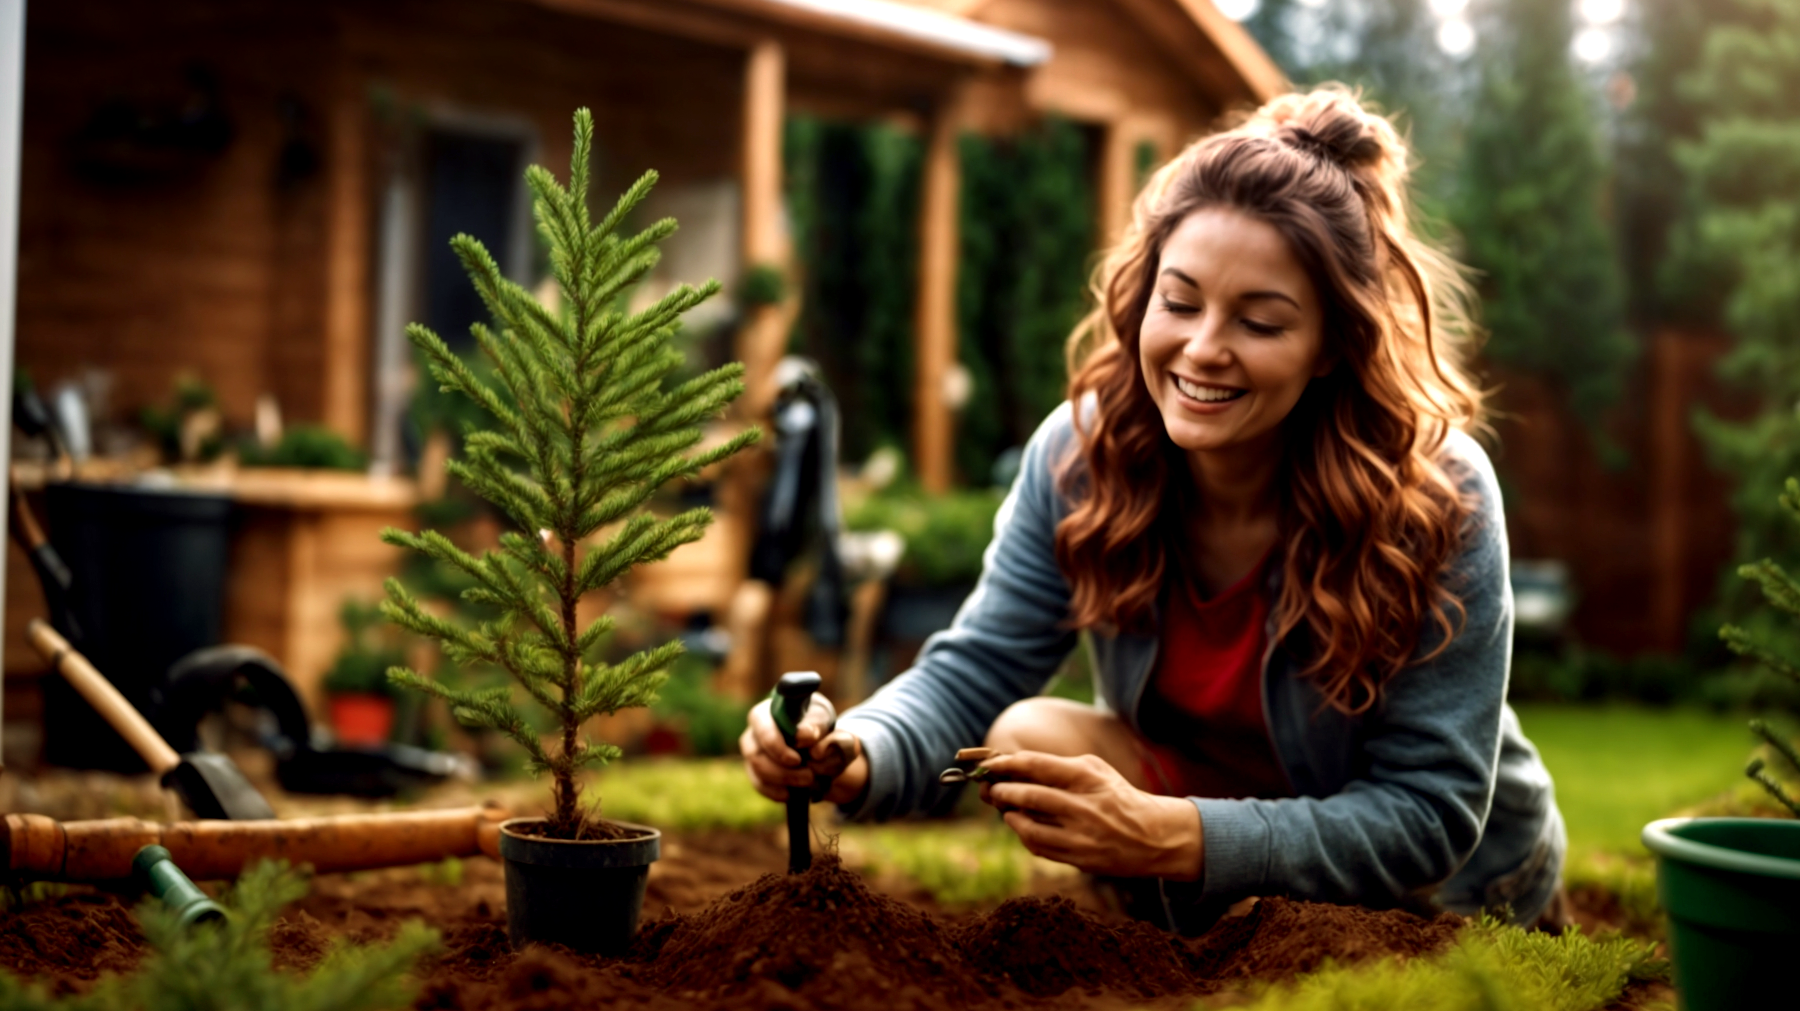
1529	208
1743	171
583	433
1783	595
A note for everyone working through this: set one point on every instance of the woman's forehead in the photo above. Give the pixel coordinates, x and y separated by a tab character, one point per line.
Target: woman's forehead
1223	251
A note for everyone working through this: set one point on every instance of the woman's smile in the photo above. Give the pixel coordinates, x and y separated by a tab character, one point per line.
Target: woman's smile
1206	398
1232	334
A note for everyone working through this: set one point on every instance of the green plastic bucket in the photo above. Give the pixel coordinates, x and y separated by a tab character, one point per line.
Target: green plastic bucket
1731	887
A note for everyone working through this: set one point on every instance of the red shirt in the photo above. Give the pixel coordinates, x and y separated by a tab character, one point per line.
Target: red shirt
1203	713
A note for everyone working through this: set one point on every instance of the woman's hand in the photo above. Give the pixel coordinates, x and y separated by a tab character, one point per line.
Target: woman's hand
1080	811
773	767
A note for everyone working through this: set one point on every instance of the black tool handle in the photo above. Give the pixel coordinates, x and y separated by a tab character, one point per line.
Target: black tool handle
792	695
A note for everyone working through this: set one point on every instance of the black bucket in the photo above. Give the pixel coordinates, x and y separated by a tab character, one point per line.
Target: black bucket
149	571
585	895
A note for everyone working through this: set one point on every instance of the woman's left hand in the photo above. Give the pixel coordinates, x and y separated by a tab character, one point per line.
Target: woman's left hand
1082	812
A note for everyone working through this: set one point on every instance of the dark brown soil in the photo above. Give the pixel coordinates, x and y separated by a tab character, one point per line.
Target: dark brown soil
718	936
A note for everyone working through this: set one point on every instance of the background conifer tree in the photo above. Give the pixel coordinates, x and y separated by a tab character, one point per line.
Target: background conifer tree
1743	206
582	433
1529	208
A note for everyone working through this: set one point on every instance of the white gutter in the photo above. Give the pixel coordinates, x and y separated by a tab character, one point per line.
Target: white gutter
12	94
933	28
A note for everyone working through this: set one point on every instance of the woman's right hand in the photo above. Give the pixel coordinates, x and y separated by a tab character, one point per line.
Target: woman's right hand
774	767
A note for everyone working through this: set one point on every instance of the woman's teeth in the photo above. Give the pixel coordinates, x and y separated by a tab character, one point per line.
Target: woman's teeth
1206	394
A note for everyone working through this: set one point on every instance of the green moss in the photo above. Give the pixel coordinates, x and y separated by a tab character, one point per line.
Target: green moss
1492	967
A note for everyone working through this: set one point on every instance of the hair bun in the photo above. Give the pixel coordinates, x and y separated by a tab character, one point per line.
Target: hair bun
1332	125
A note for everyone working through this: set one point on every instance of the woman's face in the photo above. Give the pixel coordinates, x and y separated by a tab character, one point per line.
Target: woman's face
1233	332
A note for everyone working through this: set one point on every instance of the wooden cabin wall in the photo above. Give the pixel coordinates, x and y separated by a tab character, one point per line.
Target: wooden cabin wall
222	268
658	102
214	268
1646	542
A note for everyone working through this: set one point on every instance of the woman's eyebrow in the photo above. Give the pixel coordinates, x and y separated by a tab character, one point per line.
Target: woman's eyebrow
1252	296
1249	296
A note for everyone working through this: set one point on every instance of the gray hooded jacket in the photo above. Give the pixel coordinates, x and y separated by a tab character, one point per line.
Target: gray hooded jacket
1433	799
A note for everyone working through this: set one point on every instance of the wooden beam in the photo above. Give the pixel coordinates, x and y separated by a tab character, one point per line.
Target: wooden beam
936	310
1261	77
1118	178
346	358
763	336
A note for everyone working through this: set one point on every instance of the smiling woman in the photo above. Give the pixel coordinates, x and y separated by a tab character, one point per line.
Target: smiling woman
1262	503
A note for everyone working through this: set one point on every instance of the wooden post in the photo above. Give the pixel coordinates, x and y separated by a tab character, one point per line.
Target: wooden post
764	334
12	104
1118	179
936	310
346	365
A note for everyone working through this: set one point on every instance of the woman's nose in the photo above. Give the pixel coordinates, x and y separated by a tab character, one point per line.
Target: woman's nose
1206	345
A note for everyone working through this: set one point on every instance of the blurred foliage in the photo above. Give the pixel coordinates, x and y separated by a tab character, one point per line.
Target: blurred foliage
761	285
1780	765
192	396
853	196
1529	208
1743	167
312	446
1387	50
679	795
945	534
227	965
1027	233
711	722
967	862
1668	277
370	648
1575	673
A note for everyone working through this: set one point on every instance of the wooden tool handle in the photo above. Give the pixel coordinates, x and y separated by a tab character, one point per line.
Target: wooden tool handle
33	846
105	699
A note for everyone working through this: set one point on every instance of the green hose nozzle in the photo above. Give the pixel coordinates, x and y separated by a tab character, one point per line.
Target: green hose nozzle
154	868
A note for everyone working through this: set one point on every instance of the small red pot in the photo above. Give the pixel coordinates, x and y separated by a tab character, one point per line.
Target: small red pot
362	719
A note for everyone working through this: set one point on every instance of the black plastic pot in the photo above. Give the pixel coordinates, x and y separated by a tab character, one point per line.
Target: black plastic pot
583	895
149	568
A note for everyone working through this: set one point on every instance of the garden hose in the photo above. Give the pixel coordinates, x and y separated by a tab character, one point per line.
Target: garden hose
154	868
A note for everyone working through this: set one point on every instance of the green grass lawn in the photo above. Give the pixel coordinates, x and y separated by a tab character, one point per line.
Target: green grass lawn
1619	767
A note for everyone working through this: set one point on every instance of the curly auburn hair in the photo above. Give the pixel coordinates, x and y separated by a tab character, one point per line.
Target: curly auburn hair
1369	517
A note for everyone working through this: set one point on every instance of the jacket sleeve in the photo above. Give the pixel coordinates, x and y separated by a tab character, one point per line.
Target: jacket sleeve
1423	778
1006	641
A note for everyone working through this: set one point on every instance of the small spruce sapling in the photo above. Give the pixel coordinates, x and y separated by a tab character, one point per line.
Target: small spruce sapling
1781	590
582	433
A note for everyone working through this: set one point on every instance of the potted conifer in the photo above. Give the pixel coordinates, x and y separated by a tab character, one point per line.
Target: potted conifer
1732	885
582	432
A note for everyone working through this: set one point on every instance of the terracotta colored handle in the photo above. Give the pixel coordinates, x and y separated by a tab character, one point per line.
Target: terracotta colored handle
33	846
105	699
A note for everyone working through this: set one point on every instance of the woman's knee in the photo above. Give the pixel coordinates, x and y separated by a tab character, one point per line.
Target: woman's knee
1050	725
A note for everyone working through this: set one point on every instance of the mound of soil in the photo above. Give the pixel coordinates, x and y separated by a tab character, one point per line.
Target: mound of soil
1047	946
821	940
70	940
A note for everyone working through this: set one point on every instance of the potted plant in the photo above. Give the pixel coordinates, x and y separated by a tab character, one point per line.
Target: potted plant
580	433
358	696
1731	886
